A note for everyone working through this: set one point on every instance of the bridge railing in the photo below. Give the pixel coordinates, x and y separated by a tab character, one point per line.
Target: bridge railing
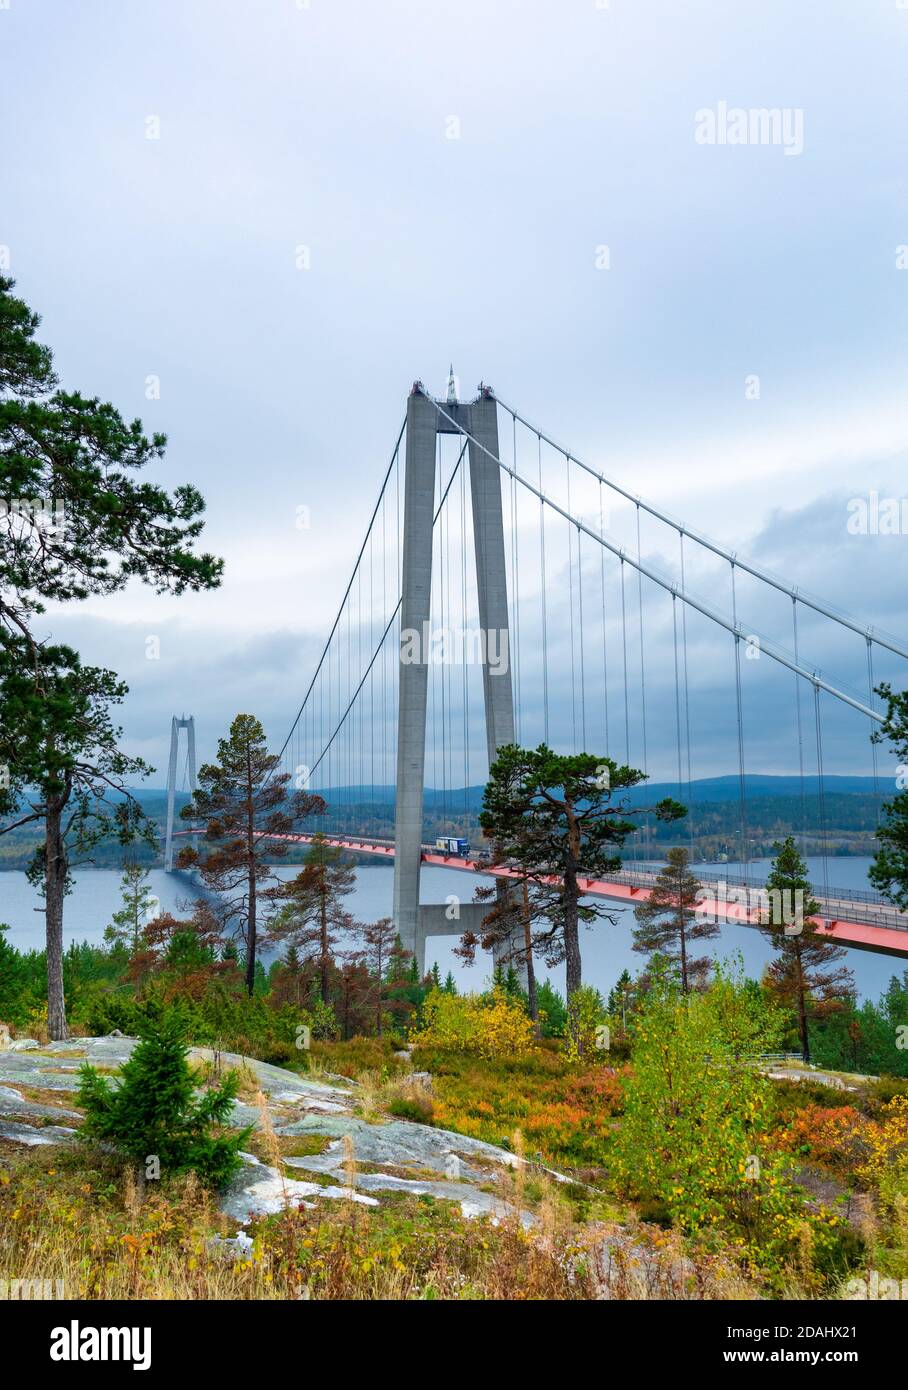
740	881
857	905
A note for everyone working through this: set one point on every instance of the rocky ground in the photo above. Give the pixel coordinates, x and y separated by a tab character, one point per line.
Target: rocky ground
394	1155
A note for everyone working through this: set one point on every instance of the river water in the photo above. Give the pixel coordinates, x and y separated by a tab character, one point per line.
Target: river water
606	949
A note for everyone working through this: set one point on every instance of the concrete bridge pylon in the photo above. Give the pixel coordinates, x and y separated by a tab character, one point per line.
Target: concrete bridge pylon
415	922
175	726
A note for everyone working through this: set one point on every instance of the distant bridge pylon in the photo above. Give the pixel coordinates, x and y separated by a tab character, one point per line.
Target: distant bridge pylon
175	726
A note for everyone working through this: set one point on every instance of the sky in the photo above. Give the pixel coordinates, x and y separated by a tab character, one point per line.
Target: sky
272	217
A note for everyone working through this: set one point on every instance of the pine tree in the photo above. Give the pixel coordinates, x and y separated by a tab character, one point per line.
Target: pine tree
379	941
805	976
889	871
311	912
244	803
154	1113
552	1010
65	765
185	950
556	820
78	523
12	979
128	923
403	993
512	983
356	994
289	978
668	923
620	998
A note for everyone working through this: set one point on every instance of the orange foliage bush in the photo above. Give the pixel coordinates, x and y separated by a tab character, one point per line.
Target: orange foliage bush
837	1138
564	1114
851	1143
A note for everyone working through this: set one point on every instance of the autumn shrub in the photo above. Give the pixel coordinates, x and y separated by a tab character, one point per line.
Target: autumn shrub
890	1248
356	1055
694	1139
835	1137
474	1024
864	1148
565	1112
587	1019
887	1142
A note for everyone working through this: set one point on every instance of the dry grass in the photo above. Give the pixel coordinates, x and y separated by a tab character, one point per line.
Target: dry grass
210	1071
349	1166
316	1069
379	1095
62	1100
642	1263
89	1227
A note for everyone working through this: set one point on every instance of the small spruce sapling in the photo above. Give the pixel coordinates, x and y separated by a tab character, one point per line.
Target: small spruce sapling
155	1114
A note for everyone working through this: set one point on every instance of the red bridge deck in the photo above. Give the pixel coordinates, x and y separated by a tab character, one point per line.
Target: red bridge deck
860	936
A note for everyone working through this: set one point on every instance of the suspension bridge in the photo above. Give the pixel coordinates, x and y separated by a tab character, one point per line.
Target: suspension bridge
506	590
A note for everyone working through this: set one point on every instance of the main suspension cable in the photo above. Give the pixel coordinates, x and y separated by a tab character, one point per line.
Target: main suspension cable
668	584
809	600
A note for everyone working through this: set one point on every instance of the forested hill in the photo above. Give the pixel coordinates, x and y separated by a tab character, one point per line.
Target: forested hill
775	806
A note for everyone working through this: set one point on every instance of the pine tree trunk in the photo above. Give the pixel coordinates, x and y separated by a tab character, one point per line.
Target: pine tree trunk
573	969
251	877
54	883
323	961
802	1013
251	935
532	1004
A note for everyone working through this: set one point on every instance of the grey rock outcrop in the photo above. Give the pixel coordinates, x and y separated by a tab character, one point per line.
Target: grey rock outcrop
397	1156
